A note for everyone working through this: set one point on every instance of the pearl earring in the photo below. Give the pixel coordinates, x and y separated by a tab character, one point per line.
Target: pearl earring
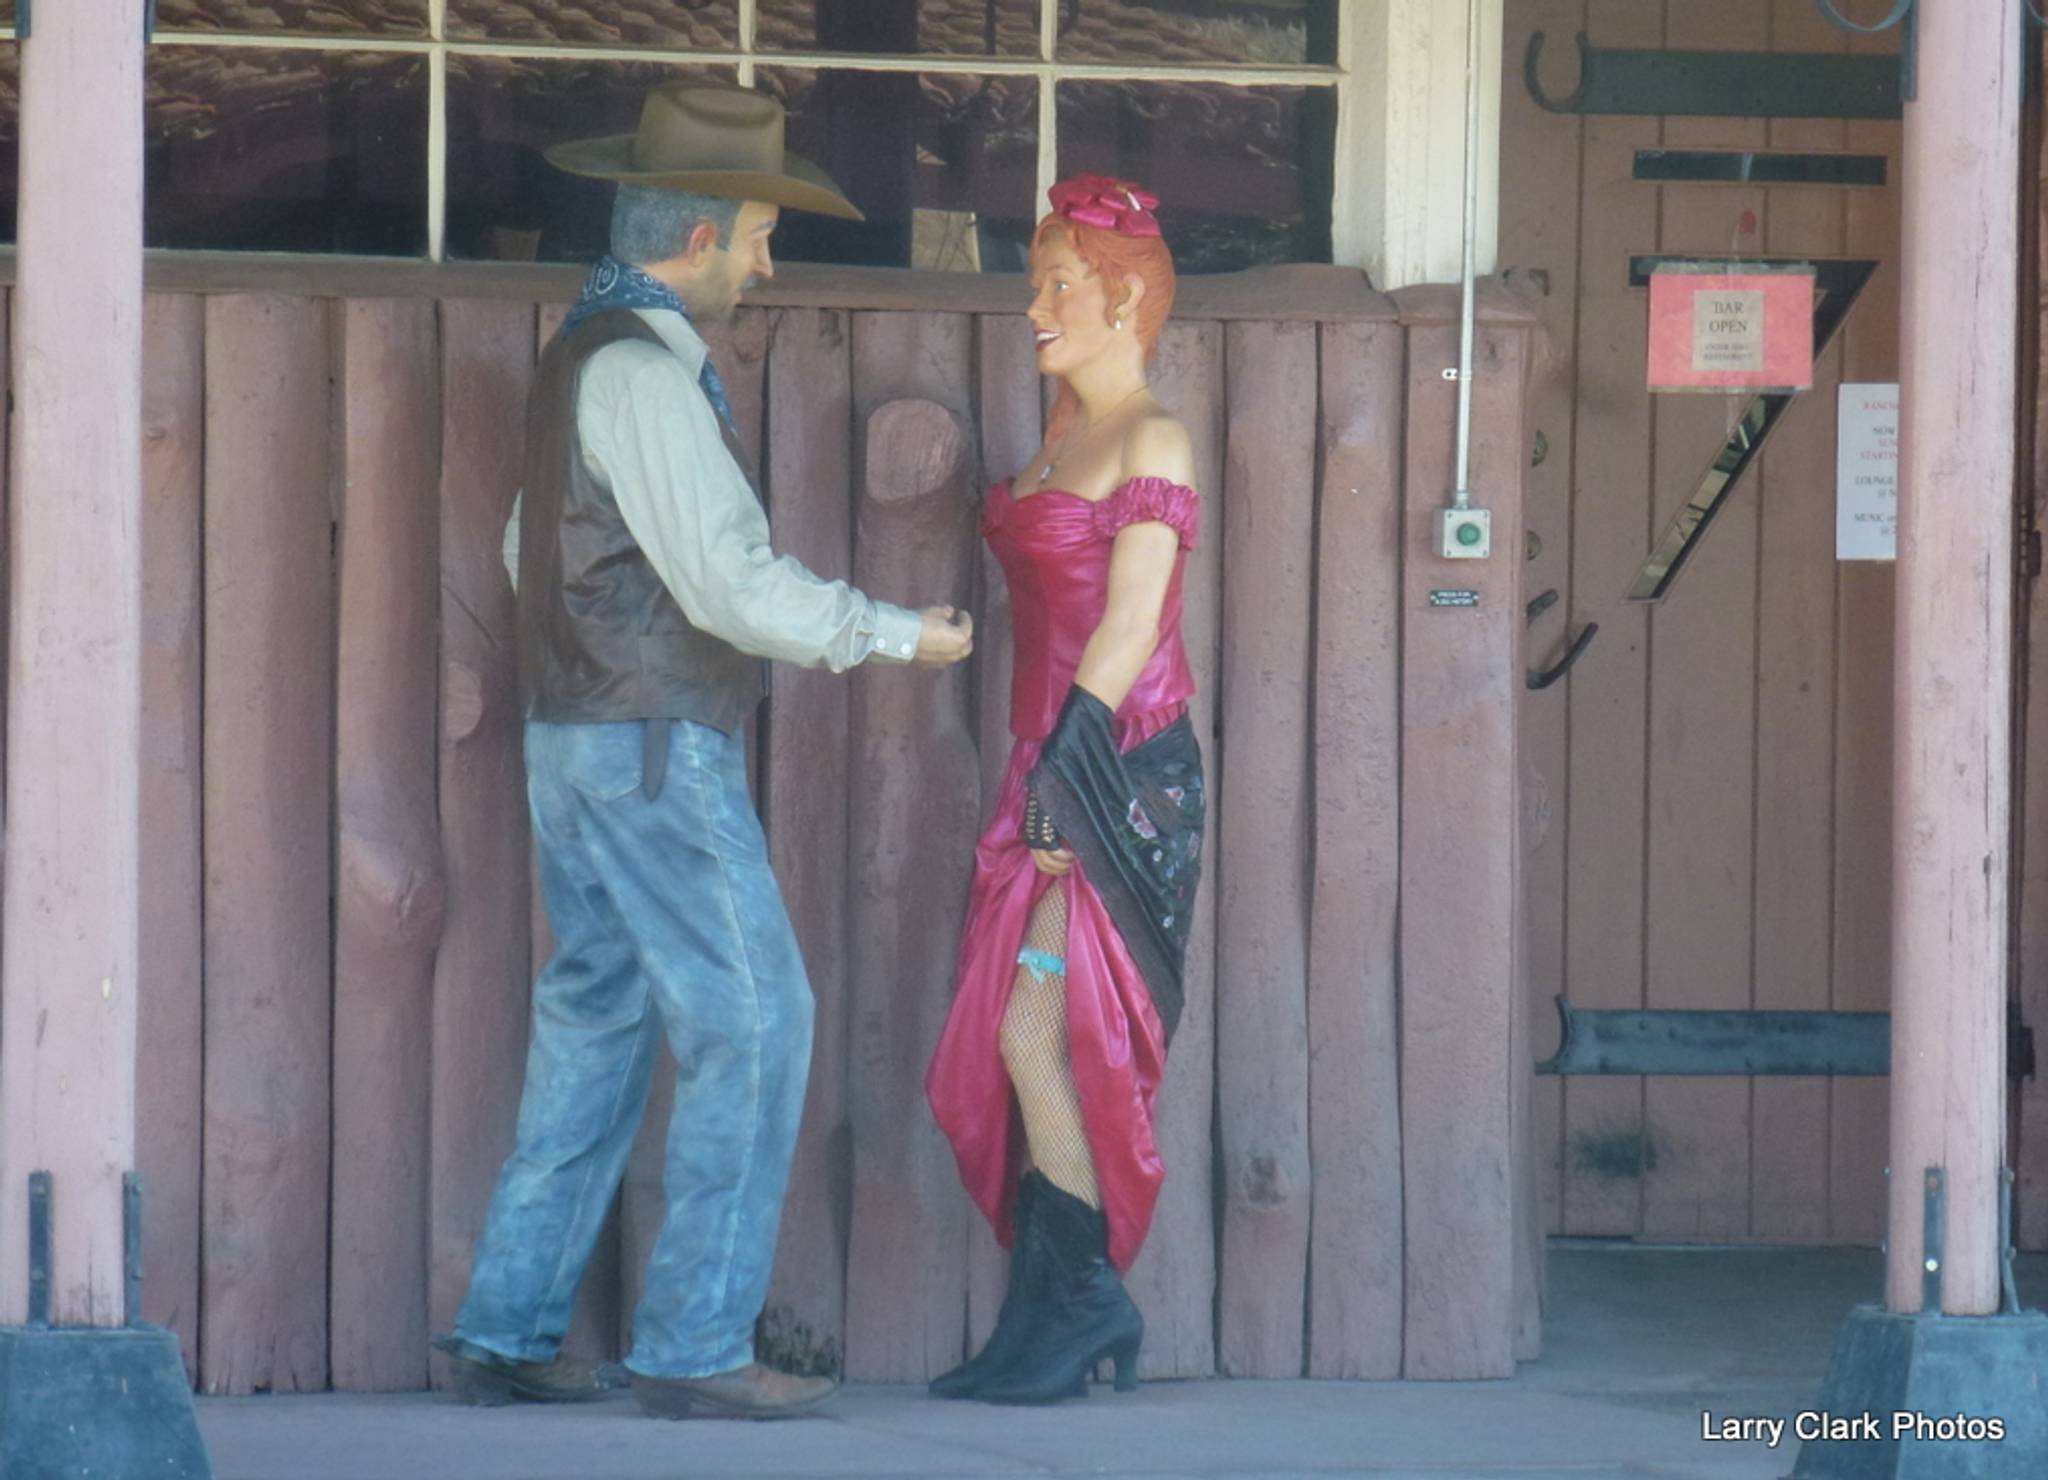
1119	325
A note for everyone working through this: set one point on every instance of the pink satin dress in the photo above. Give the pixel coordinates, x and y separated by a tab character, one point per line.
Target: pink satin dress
1055	547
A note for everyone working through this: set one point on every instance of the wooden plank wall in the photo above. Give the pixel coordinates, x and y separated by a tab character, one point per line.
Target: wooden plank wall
1707	803
342	920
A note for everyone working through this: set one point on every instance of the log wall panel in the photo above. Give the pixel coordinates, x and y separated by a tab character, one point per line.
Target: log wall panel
482	974
739	350
1174	1278
388	855
810	477
915	803
1260	872
1461	685
603	1299
873	1212
1355	1250
269	714
171	1012
1008	386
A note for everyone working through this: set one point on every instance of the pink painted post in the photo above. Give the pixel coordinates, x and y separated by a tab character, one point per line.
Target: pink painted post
85	1393
73	905
1952	703
1952	790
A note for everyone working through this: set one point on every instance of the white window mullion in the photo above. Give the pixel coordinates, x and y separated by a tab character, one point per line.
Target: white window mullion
437	131
1048	138
750	21
1048	103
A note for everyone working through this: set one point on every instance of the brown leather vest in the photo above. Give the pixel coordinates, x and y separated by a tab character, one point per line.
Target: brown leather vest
600	637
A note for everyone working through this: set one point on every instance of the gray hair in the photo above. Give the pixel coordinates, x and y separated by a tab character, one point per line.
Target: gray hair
650	226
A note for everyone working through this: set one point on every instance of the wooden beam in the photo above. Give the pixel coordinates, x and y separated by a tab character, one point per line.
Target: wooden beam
1952	703
1399	207
1292	292
69	985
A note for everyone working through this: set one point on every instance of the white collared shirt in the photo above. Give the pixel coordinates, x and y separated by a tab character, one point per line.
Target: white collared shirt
651	437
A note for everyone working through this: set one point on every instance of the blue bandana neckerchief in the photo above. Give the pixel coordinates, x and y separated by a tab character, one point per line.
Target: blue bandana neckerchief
615	284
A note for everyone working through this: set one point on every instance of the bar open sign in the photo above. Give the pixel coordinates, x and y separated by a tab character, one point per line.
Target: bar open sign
1722	326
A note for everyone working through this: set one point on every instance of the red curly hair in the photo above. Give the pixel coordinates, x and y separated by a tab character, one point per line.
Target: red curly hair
1112	256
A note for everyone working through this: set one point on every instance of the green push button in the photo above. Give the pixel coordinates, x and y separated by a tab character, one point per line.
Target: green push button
1468	534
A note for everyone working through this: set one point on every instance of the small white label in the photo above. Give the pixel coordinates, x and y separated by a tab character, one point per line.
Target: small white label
1727	329
1867	473
1454	598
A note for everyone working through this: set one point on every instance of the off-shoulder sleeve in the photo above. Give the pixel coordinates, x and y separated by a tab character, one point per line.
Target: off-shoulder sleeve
1144	500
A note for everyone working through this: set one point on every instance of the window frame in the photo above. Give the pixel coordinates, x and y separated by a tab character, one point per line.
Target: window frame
437	47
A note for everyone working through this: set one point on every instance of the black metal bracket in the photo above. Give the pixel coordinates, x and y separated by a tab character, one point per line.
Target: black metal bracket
39	1249
1723	84
131	1246
1837	283
1933	1216
2008	1284
1621	1041
1604	1041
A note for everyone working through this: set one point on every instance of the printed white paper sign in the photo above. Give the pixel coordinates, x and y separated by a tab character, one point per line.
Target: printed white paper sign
1867	473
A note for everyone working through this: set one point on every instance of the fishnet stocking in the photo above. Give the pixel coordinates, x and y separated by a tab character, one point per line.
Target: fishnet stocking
1034	1043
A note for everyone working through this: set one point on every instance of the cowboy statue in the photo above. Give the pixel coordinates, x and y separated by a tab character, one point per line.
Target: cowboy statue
648	596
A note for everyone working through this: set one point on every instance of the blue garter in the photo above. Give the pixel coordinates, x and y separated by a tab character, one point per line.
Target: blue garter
1041	964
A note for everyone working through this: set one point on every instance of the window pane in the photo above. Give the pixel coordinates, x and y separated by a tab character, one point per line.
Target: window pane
504	200
303	151
680	25
1243	173
1199	32
295	17
10	135
901	27
919	153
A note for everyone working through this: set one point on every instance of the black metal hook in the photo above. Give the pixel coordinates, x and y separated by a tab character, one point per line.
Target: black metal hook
1546	677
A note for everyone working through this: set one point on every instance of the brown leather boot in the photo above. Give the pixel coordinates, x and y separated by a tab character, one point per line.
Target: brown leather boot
485	1379
752	1391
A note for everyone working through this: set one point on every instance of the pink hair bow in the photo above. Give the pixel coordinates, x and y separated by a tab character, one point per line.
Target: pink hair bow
1099	200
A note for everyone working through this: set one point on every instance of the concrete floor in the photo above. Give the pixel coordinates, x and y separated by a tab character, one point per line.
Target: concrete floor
1639	1342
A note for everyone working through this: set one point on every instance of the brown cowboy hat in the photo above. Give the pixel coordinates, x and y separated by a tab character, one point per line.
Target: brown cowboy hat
711	140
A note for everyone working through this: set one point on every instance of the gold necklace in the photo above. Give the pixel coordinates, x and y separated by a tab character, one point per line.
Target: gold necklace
1054	461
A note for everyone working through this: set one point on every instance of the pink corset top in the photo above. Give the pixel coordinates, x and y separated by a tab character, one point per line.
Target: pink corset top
1054	547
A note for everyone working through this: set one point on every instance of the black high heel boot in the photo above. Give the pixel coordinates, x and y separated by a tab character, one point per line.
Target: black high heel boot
1080	1314
966	1379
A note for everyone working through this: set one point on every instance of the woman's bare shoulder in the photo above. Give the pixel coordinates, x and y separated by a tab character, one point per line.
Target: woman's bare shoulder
1157	446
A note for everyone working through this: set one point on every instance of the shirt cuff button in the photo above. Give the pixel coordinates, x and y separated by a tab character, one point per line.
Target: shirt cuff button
908	649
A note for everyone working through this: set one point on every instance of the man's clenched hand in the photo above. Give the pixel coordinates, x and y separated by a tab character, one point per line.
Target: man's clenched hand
946	637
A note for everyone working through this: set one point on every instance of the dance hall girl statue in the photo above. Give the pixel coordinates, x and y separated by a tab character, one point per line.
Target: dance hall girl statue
1070	966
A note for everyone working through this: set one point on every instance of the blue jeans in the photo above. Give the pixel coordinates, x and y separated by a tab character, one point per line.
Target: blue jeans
666	918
